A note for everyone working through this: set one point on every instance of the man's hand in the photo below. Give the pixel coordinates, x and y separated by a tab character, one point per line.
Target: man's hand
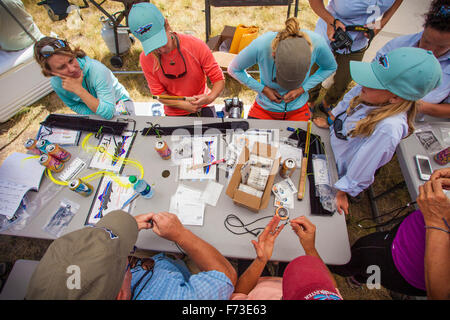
168	226
293	94
144	221
342	202
306	232
331	31
201	100
272	94
73	85
433	203
266	240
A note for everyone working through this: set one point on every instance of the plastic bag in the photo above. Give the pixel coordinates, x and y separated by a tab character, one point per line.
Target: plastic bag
62	217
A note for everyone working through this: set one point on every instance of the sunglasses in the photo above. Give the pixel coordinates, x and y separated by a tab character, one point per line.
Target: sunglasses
49	49
337	127
172	76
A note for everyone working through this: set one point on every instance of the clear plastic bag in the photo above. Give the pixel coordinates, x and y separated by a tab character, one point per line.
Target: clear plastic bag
62	217
322	181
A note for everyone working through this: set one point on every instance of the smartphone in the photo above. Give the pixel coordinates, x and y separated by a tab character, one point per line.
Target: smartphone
423	167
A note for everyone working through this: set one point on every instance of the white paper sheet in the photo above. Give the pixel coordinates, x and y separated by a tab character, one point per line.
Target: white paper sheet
101	161
212	193
17	177
204	150
106	200
63	137
187	204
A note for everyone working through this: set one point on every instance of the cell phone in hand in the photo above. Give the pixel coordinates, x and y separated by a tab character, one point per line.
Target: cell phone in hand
423	167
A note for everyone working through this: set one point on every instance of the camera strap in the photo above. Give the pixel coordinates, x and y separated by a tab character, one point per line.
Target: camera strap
360	28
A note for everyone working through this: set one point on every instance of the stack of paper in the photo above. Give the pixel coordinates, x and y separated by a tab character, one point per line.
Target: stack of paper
188	205
17	177
284	193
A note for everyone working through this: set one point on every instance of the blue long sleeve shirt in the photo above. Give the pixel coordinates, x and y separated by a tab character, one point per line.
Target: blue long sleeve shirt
100	82
358	158
259	51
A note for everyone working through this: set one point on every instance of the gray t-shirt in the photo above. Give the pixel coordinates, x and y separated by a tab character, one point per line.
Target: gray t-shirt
12	36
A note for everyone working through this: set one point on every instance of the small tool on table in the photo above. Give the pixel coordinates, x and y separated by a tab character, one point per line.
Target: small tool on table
201	165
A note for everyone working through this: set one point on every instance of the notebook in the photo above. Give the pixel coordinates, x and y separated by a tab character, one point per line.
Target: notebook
17	177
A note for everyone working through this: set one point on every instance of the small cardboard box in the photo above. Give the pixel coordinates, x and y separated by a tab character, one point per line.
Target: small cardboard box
215	42
222	58
247	200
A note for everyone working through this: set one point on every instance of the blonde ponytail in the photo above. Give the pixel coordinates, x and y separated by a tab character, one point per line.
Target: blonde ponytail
292	30
366	126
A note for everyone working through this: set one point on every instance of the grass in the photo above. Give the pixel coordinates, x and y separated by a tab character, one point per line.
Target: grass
183	15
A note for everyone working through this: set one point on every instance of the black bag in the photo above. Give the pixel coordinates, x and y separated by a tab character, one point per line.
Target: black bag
56	9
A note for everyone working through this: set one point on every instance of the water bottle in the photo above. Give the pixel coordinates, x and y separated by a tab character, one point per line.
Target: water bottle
142	187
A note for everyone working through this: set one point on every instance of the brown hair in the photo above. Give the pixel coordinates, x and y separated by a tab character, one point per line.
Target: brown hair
366	126
291	30
67	50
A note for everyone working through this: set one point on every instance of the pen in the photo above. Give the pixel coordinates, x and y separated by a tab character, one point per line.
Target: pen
134	196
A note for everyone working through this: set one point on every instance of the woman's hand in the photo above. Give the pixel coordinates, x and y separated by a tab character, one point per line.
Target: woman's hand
331	31
321	122
201	100
266	240
433	202
293	94
74	85
306	232
342	202
272	94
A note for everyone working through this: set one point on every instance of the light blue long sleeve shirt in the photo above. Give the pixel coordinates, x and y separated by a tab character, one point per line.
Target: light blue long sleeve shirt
358	158
354	12
259	52
100	82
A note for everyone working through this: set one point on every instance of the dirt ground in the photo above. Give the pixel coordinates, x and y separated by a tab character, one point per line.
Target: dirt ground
25	124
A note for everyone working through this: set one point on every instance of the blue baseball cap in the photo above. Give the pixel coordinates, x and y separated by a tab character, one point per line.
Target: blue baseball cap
410	73
146	23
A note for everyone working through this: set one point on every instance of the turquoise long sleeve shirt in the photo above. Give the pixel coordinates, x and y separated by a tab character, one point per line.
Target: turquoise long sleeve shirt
259	51
100	82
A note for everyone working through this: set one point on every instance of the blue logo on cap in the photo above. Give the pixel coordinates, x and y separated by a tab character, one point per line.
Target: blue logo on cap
144	29
383	60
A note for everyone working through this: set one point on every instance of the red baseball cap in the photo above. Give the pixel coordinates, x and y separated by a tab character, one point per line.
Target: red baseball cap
307	278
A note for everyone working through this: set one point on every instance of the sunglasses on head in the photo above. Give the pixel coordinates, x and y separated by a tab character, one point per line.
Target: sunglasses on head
337	127
172	76
49	49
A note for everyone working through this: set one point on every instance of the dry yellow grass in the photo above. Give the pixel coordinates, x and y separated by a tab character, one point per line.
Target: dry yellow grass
183	15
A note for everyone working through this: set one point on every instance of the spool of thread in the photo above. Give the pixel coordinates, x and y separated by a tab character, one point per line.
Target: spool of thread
288	167
163	149
443	157
51	163
282	213
80	187
30	145
42	144
58	152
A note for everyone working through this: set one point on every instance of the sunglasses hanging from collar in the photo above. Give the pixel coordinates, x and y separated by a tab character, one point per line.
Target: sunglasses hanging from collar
172	76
